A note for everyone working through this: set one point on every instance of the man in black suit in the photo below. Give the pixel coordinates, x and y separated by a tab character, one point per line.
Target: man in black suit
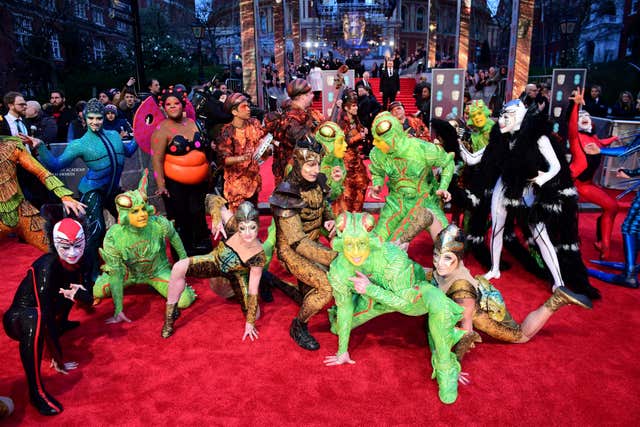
594	104
389	83
368	109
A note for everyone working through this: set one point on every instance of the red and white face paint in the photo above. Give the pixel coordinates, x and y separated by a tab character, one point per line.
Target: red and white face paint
68	239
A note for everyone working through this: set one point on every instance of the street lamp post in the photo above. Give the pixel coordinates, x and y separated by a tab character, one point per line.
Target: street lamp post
567	26
198	33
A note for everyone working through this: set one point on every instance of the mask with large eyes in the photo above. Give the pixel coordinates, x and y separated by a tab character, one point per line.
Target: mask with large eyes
69	241
512	116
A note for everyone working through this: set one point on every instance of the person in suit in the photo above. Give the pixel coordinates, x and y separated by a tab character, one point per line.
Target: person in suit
365	81
12	123
389	83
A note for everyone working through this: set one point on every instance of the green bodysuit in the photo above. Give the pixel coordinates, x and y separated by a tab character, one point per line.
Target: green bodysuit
138	254
408	164
397	284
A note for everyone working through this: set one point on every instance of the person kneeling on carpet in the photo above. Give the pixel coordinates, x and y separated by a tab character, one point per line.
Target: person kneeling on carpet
135	251
40	308
301	211
240	258
370	277
483	305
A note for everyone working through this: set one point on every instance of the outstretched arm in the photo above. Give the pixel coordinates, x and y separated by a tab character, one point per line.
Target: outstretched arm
73	151
343	296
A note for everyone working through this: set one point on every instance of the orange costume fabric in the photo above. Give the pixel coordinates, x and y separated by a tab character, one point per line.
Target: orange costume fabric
417	128
242	181
357	180
289	128
17	215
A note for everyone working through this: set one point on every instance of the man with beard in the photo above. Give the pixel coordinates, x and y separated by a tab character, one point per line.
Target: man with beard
61	113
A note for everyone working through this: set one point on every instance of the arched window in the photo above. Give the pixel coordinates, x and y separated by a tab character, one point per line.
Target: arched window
420	19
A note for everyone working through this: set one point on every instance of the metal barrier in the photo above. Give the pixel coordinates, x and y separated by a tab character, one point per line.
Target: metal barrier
606	175
131	173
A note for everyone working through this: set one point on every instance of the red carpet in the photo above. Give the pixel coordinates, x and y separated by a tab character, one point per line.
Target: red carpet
581	369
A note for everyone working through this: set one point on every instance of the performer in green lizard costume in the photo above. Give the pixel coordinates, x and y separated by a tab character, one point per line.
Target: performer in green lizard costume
331	136
414	196
388	281
135	251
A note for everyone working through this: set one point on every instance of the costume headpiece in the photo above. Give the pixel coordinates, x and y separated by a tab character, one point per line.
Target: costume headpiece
54	216
307	150
327	134
247	212
512	115
387	128
94	107
475	106
233	101
395	104
450	239
343	69
132	198
174	91
298	87
355	225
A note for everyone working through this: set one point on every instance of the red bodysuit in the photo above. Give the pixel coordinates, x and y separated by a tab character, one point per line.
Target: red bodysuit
583	166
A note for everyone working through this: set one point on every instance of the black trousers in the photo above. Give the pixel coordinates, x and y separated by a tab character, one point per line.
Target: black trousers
185	205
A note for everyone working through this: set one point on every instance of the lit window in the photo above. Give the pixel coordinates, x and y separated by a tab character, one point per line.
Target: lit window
23	28
81	9
55	47
98	17
98	49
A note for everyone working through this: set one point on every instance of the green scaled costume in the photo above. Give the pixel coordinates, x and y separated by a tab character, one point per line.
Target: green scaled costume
408	162
138	254
327	135
396	284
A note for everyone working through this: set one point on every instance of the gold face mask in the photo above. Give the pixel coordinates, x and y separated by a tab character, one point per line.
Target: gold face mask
356	249
138	216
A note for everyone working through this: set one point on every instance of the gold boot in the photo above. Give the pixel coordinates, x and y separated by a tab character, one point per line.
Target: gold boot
422	220
564	296
171	313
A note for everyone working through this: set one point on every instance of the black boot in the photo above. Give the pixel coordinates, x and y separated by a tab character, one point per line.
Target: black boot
301	335
265	287
45	403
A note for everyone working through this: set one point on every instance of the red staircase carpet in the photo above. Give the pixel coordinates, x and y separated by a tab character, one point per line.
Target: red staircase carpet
582	369
405	96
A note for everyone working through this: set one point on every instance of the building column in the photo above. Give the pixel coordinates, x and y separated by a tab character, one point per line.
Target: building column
278	38
247	39
519	48
464	13
295	31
